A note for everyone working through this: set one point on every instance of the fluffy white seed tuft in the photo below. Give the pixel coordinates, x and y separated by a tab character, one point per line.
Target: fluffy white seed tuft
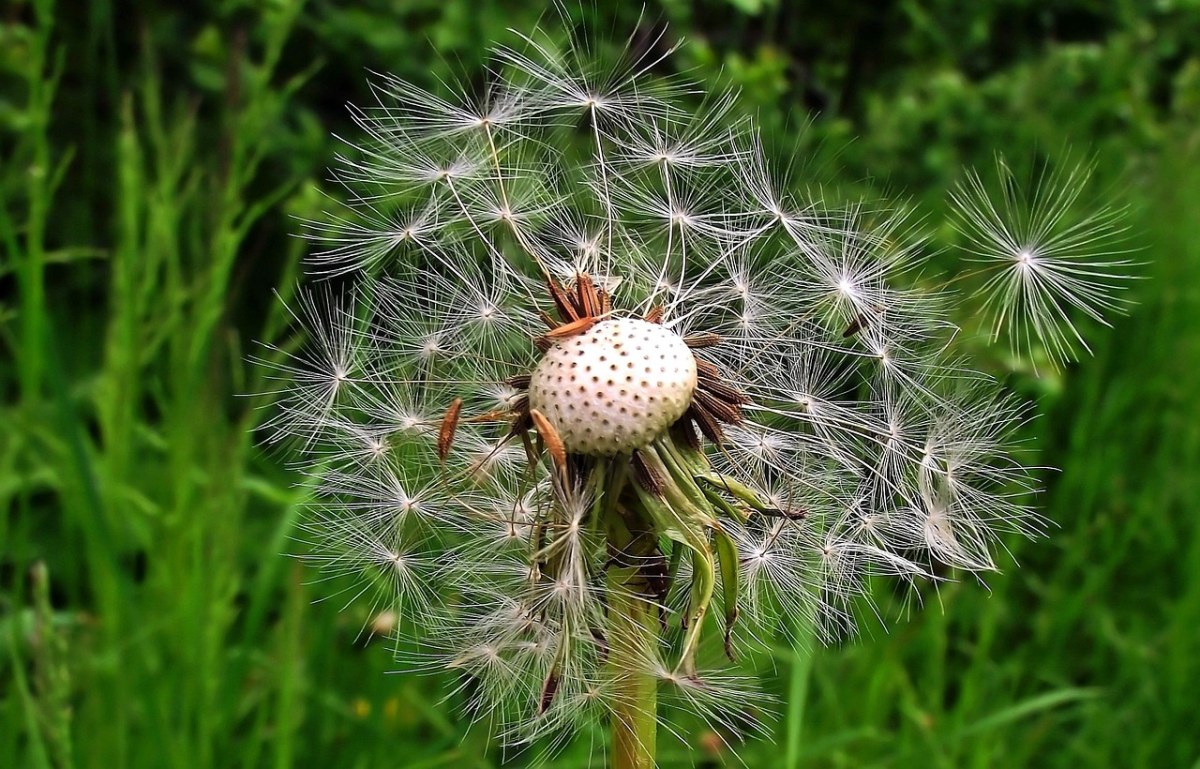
615	387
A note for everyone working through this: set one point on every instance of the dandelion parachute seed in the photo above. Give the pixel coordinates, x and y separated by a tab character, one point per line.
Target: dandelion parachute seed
1046	256
604	401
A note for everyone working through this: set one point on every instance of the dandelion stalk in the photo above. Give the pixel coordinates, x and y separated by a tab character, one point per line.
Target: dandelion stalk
634	627
604	407
634	637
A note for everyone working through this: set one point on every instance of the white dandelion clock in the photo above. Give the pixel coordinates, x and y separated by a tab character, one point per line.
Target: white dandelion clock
606	407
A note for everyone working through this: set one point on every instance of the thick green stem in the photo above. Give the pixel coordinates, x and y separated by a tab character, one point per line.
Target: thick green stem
633	635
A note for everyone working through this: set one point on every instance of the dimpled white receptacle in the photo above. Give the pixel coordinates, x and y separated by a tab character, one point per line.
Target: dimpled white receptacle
614	388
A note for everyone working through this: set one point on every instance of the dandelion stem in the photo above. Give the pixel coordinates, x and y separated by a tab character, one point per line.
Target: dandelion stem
633	636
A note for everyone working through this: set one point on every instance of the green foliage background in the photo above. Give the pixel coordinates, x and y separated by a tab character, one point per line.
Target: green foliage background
154	156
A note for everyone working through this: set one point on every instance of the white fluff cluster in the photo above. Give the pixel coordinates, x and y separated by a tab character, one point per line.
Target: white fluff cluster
862	446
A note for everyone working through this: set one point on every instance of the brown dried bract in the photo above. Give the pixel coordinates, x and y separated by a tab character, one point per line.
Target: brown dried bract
580	306
646	475
726	392
730	413
707	423
702	340
605	301
715	401
550	436
562	303
549	688
707	369
588	298
855	326
572	328
446	431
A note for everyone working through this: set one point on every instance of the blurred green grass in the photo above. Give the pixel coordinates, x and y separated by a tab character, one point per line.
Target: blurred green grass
152	161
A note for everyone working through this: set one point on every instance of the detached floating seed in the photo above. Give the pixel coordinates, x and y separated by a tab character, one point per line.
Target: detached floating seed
615	387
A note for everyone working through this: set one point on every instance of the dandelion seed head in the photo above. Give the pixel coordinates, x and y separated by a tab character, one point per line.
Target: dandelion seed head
597	360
